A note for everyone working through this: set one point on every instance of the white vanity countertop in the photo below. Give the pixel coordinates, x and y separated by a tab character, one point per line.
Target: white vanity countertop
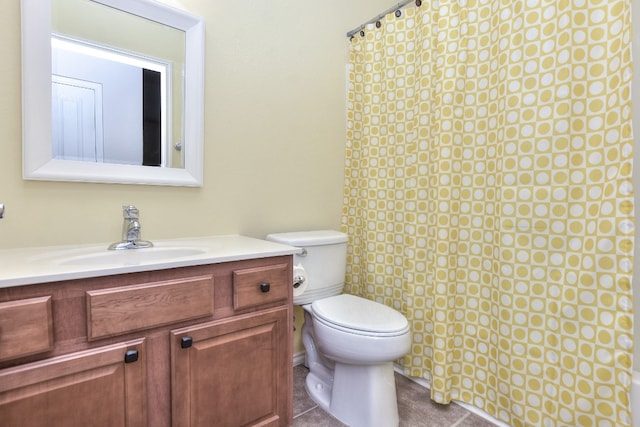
28	266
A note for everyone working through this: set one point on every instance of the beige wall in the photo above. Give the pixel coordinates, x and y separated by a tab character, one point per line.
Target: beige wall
274	133
274	137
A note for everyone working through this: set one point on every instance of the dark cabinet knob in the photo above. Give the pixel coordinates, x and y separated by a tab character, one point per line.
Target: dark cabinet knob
131	356
186	342
265	287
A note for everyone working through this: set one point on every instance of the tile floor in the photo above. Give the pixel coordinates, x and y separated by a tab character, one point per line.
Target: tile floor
414	406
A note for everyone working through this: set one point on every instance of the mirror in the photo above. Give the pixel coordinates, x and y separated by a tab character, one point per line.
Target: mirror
161	46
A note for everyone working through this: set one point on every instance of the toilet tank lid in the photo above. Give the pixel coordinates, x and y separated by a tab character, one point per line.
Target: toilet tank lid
308	238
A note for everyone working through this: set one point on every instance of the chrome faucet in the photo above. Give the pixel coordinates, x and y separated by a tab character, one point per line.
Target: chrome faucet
131	234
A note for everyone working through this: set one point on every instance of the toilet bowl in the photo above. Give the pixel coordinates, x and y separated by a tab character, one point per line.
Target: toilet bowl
350	342
360	389
353	330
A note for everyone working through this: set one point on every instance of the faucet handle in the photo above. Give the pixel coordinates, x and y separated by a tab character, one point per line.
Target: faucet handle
130	212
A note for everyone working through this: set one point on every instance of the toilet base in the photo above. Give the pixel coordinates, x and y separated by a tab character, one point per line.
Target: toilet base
319	389
359	396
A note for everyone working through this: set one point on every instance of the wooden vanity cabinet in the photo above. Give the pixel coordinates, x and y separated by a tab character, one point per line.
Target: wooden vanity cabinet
237	371
207	345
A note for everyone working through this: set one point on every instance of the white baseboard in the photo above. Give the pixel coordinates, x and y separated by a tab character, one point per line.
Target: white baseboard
635	399
298	358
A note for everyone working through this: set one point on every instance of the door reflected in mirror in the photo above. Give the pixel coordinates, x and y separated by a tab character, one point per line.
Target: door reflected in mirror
117	96
108	106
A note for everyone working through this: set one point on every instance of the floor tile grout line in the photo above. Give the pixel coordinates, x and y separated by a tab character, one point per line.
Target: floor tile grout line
304	412
457	423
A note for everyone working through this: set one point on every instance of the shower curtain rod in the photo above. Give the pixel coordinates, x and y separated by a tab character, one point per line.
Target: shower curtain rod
380	16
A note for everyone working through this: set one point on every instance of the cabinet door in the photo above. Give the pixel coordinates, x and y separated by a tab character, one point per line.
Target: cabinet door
233	372
96	387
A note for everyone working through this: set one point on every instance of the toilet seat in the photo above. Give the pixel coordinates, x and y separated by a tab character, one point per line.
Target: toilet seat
359	316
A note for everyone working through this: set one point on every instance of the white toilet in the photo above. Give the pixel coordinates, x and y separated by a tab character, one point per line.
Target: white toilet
350	342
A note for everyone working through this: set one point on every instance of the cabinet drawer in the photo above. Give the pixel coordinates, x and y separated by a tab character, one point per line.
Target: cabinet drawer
120	310
261	285
26	327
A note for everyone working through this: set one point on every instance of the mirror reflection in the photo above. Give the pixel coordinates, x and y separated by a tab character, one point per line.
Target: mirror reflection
117	86
145	36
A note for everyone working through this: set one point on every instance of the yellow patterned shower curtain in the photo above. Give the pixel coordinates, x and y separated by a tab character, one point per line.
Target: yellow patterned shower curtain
488	197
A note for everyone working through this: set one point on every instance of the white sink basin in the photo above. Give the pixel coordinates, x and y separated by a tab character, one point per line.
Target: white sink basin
131	256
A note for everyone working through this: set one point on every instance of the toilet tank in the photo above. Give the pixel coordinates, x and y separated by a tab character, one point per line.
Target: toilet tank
324	259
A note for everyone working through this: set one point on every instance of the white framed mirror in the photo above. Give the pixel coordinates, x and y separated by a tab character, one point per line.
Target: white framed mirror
179	83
